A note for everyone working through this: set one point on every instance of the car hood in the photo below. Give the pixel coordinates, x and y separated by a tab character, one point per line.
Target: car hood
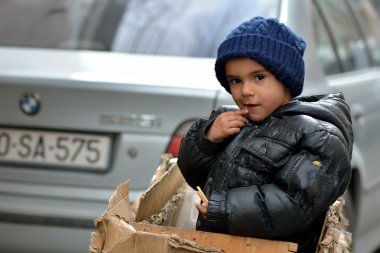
109	67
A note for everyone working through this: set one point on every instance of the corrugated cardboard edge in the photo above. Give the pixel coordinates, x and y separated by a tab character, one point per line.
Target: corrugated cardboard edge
177	242
113	226
227	243
168	215
160	193
144	242
334	236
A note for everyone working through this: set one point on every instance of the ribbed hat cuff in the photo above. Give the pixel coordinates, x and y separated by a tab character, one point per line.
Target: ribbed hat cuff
279	58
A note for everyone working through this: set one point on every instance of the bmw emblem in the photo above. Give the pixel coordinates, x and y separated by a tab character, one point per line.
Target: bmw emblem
30	103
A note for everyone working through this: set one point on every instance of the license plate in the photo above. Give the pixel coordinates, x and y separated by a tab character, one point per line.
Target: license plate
62	149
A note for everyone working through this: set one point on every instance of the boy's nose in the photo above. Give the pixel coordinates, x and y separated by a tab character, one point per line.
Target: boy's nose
247	89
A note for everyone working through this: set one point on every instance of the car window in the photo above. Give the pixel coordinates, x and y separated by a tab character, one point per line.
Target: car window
376	4
370	22
50	24
325	46
350	46
168	27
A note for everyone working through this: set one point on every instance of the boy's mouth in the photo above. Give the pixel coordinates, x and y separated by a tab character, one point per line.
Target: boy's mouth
251	105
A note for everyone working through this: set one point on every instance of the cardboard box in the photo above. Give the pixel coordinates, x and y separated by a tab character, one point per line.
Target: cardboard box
161	204
199	241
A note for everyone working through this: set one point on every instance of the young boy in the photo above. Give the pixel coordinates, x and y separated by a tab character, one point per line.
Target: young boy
271	166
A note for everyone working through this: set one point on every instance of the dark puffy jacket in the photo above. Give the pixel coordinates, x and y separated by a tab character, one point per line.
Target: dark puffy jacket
275	179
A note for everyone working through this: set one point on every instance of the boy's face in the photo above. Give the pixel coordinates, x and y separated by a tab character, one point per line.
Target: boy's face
254	88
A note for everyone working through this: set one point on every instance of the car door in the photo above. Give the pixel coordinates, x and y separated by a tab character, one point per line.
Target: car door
347	39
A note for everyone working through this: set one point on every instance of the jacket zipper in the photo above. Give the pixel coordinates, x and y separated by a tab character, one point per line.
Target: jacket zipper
294	168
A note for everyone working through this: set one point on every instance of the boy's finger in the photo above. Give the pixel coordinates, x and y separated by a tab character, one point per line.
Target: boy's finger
239	118
197	204
234	115
237	112
241	112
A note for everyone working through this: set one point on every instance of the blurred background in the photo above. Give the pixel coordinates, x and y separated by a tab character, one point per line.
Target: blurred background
94	92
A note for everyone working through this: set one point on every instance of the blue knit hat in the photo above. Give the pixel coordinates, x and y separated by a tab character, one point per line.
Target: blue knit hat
270	43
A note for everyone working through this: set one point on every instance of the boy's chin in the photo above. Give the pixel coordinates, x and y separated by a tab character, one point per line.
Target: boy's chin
256	118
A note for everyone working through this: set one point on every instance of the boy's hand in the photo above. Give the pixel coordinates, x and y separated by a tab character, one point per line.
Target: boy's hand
227	124
202	208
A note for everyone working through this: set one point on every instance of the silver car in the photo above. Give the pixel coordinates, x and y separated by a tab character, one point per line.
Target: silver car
93	92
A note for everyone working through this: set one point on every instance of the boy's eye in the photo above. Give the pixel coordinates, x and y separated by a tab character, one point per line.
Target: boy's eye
259	77
234	81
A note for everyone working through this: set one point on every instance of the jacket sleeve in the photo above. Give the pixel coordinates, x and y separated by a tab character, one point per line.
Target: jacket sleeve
303	188
197	153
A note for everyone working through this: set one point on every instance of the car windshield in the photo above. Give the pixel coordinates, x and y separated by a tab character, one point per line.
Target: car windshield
164	27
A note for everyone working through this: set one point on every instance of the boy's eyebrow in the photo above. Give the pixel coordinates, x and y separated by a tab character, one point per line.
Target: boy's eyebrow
252	73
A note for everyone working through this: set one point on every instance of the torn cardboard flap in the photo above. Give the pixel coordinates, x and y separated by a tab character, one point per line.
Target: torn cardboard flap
117	233
118	204
334	235
160	202
113	226
169	201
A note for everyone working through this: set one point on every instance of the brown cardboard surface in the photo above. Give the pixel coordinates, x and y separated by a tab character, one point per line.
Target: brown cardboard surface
116	233
153	201
113	226
227	243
